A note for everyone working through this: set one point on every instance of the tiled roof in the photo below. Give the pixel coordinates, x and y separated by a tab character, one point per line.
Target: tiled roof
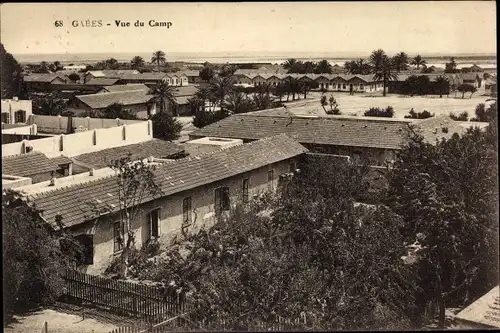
151	76
185	90
42	77
156	148
189	73
126	87
103	100
102	81
443	127
60	160
28	164
172	177
341	131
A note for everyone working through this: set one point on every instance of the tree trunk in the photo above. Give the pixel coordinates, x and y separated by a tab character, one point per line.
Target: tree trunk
442	311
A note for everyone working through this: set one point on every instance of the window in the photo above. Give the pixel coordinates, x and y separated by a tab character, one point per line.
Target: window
118	236
292	166
5	118
222	199
87	242
270	180
246	182
361	86
186	210
154	219
344	86
20	116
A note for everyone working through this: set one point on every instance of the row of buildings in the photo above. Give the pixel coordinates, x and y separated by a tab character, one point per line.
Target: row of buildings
347	82
233	160
62	81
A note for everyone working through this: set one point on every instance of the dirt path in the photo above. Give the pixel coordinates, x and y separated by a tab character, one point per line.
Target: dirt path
63	318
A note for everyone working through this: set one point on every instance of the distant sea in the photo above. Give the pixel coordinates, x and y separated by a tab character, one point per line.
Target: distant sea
243	57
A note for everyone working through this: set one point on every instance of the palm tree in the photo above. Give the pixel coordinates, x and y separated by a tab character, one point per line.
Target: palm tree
158	58
137	62
162	93
323	66
262	101
383	68
237	102
265	88
293	86
290	65
195	104
401	61
418	61
323	102
443	85
219	87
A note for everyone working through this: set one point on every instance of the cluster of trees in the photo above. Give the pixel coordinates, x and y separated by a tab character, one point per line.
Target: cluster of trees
419	115
400	62
307	67
483	114
11	77
318	255
421	85
34	255
388	112
45	67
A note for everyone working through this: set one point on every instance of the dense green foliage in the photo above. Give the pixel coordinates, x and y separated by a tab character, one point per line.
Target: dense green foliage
419	115
11	76
34	256
388	112
166	127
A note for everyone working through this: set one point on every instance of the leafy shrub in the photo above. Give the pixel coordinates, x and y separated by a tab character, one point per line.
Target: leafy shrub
419	115
377	112
464	116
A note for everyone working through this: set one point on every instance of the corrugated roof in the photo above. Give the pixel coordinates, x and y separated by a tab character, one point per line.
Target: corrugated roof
358	132
42	77
156	148
102	81
172	177
103	100
28	164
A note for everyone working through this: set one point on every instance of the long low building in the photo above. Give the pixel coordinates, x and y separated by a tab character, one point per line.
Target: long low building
335	82
374	139
194	190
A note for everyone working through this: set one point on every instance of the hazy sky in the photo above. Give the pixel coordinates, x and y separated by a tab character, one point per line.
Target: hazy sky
414	27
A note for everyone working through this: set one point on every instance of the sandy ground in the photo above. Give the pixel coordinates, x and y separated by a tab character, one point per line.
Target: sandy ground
358	104
64	318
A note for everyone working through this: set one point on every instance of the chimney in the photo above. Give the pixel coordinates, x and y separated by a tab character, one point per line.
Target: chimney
91	172
52	181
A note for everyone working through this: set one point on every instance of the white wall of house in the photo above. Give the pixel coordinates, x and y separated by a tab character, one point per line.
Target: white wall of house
171	213
12	110
84	142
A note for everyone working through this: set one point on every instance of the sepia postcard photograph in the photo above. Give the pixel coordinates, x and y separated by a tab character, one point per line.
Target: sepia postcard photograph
249	166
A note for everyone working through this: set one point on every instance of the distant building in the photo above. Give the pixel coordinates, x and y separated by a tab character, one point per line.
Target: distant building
41	82
473	79
331	82
16	111
138	102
